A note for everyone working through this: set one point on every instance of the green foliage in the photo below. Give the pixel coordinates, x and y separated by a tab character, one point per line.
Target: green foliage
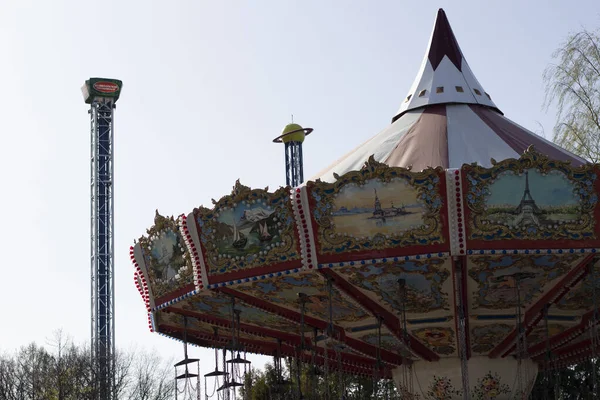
573	85
263	385
574	383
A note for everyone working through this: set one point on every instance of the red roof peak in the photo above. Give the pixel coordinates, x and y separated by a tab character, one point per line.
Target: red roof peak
443	43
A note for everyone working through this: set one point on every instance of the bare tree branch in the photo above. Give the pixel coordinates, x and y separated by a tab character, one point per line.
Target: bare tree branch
573	85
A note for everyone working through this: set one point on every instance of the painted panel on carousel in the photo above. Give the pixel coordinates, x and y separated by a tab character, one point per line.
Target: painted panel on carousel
491	386
219	306
581	297
439	339
539	332
442	388
167	258
495	279
283	291
485	337
532	198
389	342
342	348
249	228
377	208
427	283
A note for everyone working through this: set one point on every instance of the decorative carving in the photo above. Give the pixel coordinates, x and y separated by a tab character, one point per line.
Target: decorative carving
378	208
424	281
539	333
581	297
284	291
485	338
555	201
490	387
497	277
219	305
440	340
441	388
388	342
166	256
247	229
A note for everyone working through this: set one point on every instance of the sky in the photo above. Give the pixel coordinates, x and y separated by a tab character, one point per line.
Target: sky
207	86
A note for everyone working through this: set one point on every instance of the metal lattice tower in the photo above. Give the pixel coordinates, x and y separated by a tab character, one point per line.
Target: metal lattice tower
293	136
102	95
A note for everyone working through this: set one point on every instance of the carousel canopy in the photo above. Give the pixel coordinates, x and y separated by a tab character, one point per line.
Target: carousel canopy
446	120
381	270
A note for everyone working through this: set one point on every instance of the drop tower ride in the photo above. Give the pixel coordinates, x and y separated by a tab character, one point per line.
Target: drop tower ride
102	94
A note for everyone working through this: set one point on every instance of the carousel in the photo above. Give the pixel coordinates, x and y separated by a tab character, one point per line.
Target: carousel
453	253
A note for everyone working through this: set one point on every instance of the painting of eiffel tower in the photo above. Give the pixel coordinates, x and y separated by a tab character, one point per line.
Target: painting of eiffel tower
532	200
527	213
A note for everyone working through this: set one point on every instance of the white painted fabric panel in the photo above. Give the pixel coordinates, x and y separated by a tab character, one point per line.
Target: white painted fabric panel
474	84
449	77
472	140
380	146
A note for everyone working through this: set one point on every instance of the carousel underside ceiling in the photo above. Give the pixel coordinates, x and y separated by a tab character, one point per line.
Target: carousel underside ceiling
388	260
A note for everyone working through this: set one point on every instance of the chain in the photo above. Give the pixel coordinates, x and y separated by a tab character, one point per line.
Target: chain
521	341
547	372
462	329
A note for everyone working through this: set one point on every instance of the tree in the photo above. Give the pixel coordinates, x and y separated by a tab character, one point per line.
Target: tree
262	385
67	373
573	85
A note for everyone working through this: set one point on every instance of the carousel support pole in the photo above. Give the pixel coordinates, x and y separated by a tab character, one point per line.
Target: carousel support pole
226	377
378	363
198	386
329	334
303	298
519	332
406	370
594	326
521	339
462	327
313	367
547	357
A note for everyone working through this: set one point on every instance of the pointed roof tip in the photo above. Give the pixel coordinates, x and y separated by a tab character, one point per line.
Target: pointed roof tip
445	76
444	43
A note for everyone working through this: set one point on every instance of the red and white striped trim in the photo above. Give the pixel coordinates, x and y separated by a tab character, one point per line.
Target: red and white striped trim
190	237
456	212
301	208
141	281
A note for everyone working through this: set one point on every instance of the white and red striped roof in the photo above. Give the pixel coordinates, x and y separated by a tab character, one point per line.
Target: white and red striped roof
447	119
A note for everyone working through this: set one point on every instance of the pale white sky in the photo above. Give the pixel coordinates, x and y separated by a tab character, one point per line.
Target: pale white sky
207	85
